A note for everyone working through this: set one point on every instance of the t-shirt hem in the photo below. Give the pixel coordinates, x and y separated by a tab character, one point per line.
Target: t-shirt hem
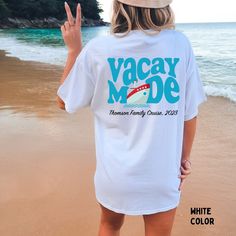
67	108
138	212
195	113
191	116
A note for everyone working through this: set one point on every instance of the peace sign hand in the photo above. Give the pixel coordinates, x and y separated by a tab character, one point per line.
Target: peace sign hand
71	30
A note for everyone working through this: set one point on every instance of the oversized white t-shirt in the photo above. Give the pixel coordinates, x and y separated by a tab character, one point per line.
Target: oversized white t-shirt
141	89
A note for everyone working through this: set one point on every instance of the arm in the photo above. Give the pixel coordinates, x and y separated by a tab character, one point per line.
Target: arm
189	134
71	57
71	32
188	137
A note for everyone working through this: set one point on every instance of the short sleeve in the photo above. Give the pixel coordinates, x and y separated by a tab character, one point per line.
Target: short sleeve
77	89
194	93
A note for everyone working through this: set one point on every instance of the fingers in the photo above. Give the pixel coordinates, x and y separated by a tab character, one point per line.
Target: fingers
186	164
183	176
69	14
67	26
63	30
185	171
181	185
78	16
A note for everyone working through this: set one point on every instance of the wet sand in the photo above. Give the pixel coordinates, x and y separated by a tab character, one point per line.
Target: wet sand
47	162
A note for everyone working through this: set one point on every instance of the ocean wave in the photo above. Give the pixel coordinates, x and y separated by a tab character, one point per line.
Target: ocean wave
33	52
217	70
226	91
221	63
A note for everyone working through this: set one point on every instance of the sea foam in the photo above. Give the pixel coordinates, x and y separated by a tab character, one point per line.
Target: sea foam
33	52
213	44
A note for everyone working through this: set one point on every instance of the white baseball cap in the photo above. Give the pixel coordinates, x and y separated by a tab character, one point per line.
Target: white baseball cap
147	3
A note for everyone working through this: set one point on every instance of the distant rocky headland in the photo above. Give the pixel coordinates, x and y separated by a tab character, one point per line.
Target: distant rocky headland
49	22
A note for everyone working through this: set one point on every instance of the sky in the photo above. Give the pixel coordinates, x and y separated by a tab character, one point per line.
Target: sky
189	11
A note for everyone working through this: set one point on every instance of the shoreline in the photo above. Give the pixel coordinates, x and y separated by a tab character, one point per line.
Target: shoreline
27	87
59	69
48	162
45	23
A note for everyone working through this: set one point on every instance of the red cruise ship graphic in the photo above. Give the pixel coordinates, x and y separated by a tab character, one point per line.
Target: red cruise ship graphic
139	95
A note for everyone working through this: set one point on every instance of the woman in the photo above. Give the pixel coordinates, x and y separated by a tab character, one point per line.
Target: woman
143	86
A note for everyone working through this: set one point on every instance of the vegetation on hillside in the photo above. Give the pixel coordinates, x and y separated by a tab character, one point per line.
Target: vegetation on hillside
31	9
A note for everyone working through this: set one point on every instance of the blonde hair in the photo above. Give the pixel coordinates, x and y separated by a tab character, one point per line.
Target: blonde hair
126	18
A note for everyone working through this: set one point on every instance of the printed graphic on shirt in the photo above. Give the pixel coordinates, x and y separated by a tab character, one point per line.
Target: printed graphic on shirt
156	78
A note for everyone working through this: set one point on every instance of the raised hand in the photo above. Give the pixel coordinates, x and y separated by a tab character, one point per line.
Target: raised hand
71	30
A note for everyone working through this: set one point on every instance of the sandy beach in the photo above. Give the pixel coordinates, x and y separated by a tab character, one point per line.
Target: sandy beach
47	162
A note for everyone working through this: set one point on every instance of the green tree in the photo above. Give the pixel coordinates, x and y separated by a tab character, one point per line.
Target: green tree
91	9
60	13
30	9
4	11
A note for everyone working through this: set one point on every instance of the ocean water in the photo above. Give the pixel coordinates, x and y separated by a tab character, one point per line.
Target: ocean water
214	45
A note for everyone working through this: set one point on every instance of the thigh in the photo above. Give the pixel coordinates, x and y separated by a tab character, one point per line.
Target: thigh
159	223
111	216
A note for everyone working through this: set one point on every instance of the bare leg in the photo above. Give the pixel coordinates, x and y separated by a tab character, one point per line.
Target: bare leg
159	224
111	222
